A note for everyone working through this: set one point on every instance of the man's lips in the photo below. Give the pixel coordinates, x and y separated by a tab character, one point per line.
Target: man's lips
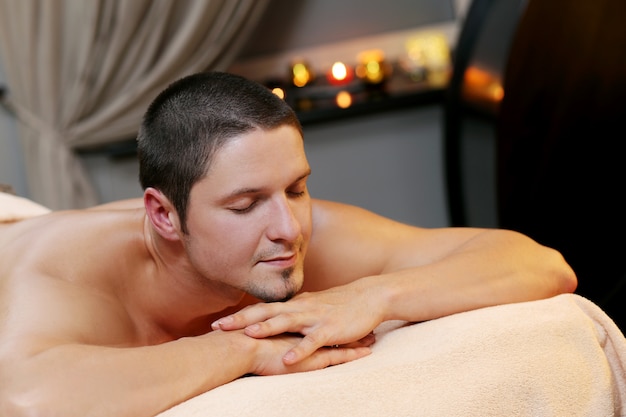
281	261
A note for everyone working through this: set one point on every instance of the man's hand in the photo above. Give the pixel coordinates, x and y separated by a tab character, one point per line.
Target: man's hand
344	315
272	349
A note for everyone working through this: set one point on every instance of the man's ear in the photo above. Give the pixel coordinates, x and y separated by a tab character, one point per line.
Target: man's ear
162	214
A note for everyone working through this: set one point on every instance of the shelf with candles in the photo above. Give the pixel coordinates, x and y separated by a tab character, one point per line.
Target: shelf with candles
419	75
385	87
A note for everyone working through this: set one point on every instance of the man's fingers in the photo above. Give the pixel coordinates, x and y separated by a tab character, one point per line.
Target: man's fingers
245	317
368	340
283	323
342	355
307	346
329	356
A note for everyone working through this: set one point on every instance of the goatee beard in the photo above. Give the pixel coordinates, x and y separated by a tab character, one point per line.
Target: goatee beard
269	296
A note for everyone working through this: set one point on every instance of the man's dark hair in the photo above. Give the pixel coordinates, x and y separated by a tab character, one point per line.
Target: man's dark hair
191	119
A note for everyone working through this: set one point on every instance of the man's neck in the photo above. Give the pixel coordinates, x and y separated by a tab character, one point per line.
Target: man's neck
169	297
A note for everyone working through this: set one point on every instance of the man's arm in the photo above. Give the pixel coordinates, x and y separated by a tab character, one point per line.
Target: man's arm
364	269
67	352
85	380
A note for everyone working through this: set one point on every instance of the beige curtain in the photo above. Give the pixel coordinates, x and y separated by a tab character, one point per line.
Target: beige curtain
82	72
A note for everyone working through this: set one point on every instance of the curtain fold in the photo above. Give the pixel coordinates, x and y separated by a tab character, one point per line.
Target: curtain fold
81	73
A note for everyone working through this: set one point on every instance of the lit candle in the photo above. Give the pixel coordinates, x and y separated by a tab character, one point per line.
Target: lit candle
343	99
339	74
279	92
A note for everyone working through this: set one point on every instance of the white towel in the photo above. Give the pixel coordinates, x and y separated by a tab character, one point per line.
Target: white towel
561	356
13	208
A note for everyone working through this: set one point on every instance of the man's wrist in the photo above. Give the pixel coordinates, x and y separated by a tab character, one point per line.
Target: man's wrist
236	349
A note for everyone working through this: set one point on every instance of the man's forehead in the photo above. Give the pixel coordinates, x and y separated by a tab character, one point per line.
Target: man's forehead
258	160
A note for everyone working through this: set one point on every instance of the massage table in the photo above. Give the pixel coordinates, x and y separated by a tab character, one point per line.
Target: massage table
561	356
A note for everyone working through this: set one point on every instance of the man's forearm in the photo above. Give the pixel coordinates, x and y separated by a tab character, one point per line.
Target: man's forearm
82	380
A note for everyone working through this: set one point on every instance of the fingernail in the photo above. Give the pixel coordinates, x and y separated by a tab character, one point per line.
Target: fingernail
252	329
217	324
289	356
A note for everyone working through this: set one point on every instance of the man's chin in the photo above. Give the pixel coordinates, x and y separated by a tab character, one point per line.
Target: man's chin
278	295
286	297
286	288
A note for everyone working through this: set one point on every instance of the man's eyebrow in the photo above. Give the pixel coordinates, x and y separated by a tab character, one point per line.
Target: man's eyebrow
306	174
303	176
241	191
250	190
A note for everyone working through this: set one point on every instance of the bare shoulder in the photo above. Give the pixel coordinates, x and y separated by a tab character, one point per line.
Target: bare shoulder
41	311
53	288
333	214
131	203
349	242
55	238
337	222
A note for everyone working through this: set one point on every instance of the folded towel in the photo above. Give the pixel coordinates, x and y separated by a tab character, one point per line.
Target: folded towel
13	208
561	356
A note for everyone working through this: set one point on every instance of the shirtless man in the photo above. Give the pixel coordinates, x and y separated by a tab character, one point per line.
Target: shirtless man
128	309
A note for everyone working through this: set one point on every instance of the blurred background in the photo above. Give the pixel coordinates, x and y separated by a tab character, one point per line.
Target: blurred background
386	159
489	113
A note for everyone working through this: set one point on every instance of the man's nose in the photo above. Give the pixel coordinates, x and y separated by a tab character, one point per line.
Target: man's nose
283	223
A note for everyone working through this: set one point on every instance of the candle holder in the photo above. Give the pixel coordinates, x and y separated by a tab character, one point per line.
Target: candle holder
300	73
372	67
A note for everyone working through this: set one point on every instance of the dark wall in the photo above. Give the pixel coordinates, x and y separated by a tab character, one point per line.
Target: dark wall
561	141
